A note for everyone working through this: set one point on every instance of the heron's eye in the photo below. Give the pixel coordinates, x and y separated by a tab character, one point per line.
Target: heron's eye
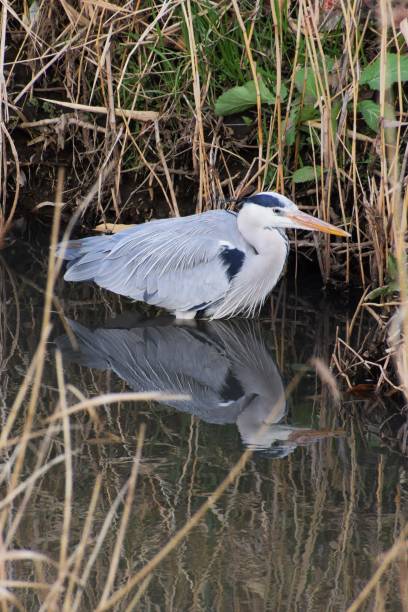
277	211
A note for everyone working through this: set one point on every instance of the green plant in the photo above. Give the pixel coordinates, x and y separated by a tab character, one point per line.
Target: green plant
392	282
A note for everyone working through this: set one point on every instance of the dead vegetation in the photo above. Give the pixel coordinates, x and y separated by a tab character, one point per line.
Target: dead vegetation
123	96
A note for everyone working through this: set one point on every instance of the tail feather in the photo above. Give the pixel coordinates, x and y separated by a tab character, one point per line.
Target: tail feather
76	271
84	256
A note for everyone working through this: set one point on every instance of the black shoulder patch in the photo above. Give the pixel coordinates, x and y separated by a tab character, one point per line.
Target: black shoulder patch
262	199
233	260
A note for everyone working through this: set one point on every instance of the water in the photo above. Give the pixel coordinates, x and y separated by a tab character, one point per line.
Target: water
301	528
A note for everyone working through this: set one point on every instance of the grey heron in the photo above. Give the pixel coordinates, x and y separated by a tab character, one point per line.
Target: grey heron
223	365
218	263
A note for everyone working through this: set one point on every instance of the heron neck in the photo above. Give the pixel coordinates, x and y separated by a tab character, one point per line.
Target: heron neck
262	239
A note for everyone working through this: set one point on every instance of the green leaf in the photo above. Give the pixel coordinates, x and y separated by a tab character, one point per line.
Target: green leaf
371	74
384	291
308	113
392	267
305	80
371	112
298	116
283	91
306	84
238	99
290	134
378	292
335	110
306	174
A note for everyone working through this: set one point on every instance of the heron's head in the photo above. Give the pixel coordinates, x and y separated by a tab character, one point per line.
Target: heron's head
273	210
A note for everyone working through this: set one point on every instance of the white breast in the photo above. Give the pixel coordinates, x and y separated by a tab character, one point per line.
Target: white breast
256	279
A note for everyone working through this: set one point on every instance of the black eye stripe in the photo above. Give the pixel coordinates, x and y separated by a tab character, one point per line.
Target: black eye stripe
262	199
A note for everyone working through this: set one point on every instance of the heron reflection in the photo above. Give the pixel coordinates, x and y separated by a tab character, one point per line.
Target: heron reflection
224	366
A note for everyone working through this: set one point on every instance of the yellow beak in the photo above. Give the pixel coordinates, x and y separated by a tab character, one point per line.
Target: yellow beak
303	221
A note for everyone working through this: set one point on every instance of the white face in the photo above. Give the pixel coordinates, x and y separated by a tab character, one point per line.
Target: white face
273	210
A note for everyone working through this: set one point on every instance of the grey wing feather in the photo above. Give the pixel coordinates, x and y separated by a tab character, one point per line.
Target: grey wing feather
149	261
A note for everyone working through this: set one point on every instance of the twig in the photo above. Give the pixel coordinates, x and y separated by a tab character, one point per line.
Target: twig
119	112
